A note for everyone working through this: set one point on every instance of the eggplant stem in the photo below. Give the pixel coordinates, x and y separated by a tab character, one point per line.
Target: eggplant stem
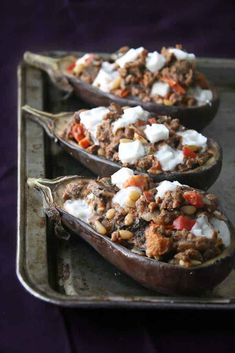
54	67
40	185
46	120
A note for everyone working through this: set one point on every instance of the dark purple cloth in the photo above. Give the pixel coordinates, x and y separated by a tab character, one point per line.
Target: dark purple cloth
27	324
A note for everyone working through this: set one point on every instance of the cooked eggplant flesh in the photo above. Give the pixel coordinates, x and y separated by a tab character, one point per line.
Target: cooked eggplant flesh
168	78
170	222
135	138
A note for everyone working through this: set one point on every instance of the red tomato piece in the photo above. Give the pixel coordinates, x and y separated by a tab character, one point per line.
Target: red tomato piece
183	222
194	198
152	120
84	143
188	152
71	67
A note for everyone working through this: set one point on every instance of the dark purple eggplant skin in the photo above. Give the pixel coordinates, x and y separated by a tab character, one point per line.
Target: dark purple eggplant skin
202	177
153	274
196	117
159	276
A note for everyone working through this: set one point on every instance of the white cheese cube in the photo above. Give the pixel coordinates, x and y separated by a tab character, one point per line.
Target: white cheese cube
129	56
121	176
160	89
223	230
155	61
85	59
201	95
130	152
105	77
130	116
165	186
182	55
202	227
193	138
156	132
123	196
169	157
78	208
92	118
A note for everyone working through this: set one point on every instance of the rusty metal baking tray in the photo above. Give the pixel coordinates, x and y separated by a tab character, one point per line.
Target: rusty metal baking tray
69	272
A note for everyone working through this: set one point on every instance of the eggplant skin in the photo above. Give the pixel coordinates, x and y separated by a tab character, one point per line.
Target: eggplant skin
196	117
152	274
200	178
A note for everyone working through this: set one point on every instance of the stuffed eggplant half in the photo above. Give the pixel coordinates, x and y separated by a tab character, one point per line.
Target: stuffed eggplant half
106	138
166	82
171	237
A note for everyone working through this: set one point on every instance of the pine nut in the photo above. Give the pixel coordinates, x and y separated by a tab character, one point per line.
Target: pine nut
116	83
100	228
125	234
128	219
134	195
110	213
130	203
125	140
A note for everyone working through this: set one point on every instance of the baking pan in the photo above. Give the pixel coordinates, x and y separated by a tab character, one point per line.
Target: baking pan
67	271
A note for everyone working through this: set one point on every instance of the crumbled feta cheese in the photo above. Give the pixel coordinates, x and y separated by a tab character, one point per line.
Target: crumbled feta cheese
193	138
92	118
123	196
106	77
84	59
78	208
165	186
202	227
169	157
181	54
82	62
201	95
156	132
130	152
129	56
130	116
160	89
222	228
121	176
155	61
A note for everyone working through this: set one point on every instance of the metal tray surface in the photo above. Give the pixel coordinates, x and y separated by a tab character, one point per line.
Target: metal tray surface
69	272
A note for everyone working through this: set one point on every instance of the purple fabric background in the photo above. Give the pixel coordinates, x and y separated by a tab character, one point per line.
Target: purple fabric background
27	324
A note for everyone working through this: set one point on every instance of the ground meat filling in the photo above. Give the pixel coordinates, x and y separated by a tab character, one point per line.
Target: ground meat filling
161	228
108	141
136	79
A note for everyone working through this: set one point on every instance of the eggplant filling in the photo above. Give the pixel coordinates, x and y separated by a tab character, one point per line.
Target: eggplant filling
138	139
168	78
172	223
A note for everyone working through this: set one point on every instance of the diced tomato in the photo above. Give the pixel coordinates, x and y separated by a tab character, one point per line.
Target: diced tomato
84	143
174	85
124	93
140	123
188	152
137	180
148	196
194	198
152	120
183	222
71	67
77	132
